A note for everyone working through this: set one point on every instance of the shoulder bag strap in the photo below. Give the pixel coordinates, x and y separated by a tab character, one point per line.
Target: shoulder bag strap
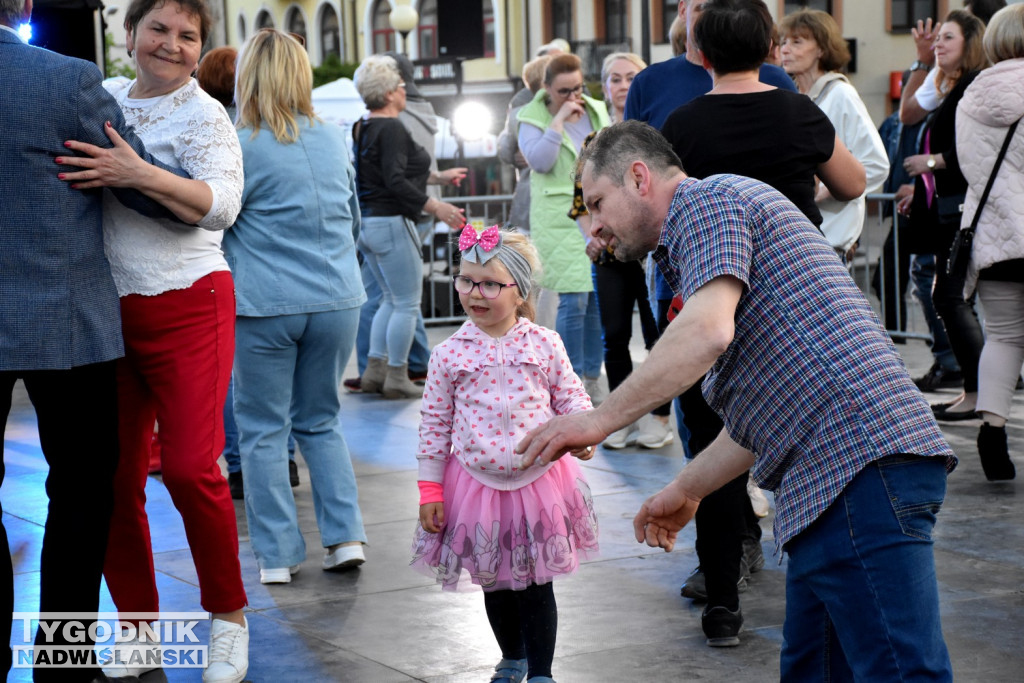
992	176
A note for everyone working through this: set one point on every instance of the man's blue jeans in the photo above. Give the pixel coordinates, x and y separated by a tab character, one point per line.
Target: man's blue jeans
862	601
579	324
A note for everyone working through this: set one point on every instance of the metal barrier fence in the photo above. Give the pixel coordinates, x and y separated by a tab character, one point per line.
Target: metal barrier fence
440	303
877	254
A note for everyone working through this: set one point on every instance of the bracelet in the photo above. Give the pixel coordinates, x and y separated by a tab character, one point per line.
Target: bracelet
918	65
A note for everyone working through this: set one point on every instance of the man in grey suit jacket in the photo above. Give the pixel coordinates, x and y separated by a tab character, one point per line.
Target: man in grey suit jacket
60	325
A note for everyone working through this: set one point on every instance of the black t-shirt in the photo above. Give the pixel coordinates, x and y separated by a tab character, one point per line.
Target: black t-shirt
391	169
775	136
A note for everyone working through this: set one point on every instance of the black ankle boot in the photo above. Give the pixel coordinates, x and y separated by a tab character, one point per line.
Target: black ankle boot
995	455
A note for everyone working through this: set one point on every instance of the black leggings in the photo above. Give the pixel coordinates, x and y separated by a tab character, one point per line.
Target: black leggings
524	624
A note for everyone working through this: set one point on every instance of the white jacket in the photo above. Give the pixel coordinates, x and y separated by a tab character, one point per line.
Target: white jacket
990	105
843	221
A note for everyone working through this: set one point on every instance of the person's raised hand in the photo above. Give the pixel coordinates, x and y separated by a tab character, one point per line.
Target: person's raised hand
924	40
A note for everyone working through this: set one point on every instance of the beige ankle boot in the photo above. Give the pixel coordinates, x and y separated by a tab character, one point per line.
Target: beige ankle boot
372	381
398	385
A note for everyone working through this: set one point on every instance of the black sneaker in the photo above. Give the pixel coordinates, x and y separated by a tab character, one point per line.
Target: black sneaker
293	473
695	587
236	485
939	377
722	626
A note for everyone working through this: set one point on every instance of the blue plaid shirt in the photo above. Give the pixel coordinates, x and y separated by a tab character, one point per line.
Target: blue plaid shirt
811	383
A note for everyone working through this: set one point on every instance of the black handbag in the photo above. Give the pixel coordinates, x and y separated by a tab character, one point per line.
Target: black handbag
960	252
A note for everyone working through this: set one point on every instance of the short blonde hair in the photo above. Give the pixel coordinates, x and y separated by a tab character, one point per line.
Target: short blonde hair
375	78
677	36
1004	37
633	59
533	72
822	29
275	84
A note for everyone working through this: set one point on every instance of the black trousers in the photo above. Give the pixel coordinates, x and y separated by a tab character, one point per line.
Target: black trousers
619	286
960	320
76	411
725	518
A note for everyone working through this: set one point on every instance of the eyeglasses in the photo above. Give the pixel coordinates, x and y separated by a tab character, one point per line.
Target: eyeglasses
565	92
401	84
489	289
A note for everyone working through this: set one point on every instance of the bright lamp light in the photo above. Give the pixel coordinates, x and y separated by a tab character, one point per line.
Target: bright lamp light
403	18
25	31
471	121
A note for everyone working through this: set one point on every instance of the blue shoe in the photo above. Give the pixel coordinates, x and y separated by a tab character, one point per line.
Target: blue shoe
509	671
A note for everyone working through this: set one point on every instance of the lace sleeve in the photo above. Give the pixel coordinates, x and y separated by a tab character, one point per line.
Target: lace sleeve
208	149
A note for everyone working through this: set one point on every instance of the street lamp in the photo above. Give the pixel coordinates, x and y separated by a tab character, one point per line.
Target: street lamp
403	18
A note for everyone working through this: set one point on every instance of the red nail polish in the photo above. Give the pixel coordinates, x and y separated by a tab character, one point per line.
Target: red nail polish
67	143
61	175
59	160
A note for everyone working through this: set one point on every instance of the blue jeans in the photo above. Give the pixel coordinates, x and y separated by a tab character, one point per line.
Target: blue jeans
862	601
922	272
287	369
393	257
231	455
579	324
419	354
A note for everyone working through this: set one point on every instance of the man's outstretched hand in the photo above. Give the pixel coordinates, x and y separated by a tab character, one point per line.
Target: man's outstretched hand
561	434
663	515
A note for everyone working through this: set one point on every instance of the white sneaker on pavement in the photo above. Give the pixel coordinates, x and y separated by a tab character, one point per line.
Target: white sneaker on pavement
341	557
278	574
228	661
622	438
653	433
597	389
133	658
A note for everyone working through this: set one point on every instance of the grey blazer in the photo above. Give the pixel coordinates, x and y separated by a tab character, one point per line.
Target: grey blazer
58	305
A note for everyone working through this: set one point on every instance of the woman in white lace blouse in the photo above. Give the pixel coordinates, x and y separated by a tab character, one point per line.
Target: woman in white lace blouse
178	315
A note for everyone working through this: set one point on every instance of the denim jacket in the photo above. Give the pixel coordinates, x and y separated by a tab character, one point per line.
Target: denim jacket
292	248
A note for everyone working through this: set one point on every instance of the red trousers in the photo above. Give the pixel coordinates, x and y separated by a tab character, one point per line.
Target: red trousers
179	347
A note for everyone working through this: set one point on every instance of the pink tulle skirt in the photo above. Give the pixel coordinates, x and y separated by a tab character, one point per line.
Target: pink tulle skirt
507	540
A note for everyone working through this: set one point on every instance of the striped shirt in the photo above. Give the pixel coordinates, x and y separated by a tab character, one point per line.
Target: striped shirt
811	383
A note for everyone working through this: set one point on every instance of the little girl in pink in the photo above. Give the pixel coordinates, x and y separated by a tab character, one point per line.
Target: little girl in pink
510	530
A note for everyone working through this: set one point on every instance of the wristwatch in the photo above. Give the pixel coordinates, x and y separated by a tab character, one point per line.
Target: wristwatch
918	65
930	163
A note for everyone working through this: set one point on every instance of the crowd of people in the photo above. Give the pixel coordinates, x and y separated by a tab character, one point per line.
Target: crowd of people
219	252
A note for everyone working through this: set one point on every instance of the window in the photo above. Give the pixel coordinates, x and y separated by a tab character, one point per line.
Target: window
426	30
296	24
904	14
561	19
330	33
488	28
615	21
383	34
264	20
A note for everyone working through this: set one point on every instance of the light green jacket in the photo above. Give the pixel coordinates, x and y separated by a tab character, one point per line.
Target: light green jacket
562	249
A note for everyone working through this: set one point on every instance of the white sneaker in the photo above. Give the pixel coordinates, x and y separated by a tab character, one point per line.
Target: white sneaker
622	438
133	658
597	389
229	652
278	574
341	557
757	498
653	432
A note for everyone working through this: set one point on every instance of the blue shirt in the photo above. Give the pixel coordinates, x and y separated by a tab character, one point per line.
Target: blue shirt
811	383
292	248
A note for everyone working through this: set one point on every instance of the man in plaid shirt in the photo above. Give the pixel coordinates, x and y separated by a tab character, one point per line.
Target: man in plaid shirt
813	395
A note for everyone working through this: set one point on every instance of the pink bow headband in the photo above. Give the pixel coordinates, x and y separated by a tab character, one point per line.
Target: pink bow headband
481	247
